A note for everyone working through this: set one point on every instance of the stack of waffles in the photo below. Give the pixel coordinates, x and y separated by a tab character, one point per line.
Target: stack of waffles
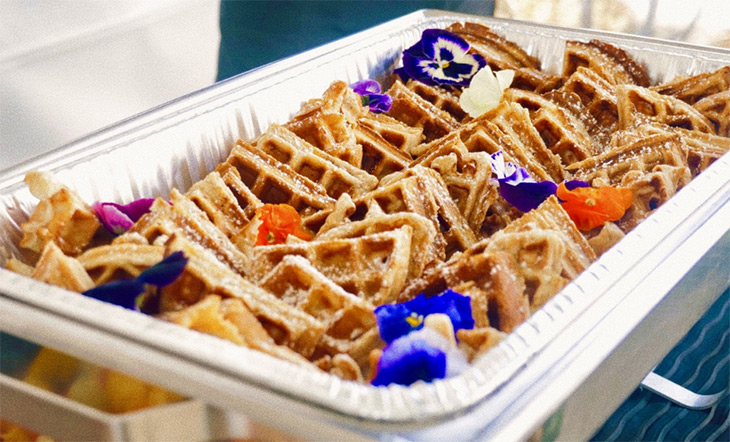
400	204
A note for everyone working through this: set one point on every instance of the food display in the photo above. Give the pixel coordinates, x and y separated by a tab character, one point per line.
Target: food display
393	231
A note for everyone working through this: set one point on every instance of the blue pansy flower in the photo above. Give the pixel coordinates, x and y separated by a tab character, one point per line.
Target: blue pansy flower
516	185
369	90
422	355
126	292
396	320
441	58
118	218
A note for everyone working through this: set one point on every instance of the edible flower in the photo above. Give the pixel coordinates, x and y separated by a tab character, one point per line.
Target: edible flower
277	222
516	185
422	355
396	320
369	90
485	90
118	218
441	58
590	207
128	292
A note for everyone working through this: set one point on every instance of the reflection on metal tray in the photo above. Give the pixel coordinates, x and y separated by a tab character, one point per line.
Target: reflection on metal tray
593	342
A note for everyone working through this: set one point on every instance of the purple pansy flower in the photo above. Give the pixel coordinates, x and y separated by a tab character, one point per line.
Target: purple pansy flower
126	292
421	355
396	320
369	90
516	185
441	58
118	218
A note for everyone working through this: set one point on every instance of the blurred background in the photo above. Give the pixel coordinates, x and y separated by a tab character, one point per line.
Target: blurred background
71	67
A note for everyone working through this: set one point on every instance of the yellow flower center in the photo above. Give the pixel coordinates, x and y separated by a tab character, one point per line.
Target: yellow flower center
590	202
414	320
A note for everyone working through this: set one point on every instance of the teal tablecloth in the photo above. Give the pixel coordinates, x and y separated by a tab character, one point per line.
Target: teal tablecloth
699	362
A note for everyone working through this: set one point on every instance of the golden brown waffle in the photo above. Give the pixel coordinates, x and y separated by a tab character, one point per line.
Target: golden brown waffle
702	148
204	275
54	267
429	196
108	263
348	319
412	110
653	167
491	280
181	216
273	182
400	135
327	122
427	247
61	216
213	195
231	320
716	108
636	104
501	53
476	341
563	133
550	215
372	267
379	156
634	158
466	175
692	89
332	174
613	64
442	97
585	92
527	148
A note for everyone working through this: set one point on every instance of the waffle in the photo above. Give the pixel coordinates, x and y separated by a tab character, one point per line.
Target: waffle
332	174
634	158
108	263
702	148
426	249
476	341
326	123
613	64
593	98
60	216
491	280
373	267
205	275
642	104
398	134
182	217
466	175
499	52
414	111
214	196
54	267
442	97
427	195
561	131
528	149
692	89
653	167
716	108
348	319
231	320
273	182
380	157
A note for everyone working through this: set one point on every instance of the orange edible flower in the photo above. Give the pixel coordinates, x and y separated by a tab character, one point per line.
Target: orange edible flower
277	222
590	207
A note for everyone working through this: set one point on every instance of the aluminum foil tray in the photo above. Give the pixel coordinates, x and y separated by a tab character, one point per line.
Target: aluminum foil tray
595	340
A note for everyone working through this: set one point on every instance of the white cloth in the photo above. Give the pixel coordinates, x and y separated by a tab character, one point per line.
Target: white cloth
71	67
